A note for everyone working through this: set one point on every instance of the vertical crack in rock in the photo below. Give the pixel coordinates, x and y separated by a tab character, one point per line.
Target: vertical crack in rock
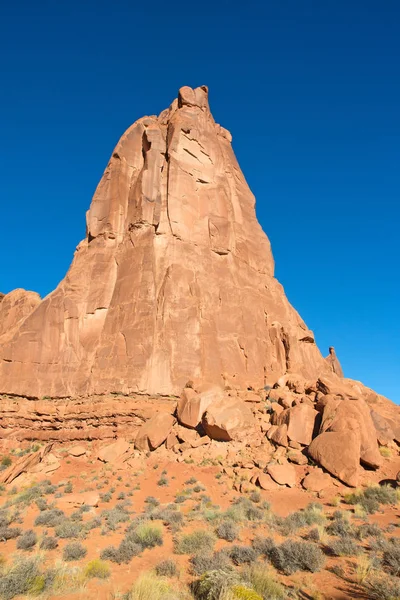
174	270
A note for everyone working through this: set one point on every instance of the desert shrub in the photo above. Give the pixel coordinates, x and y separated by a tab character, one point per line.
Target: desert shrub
76	516
340	525
242	554
123	554
50	518
191	481
379	587
115	516
345	546
214	584
152	502
96	568
41	503
6	461
147	535
372	497
110	553
204	561
19	578
264	582
312	515
368	530
292	556
166	568
263	545
9	533
196	541
243	509
242	592
391	557
49	543
163	481
227	530
68	529
93	523
170	516
68	487
150	586
106	497
255	496
27	540
74	551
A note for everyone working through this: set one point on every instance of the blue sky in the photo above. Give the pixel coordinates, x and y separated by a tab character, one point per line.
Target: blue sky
310	91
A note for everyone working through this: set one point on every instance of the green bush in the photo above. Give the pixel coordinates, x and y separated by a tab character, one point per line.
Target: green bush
98	569
196	541
147	535
372	497
264	582
292	556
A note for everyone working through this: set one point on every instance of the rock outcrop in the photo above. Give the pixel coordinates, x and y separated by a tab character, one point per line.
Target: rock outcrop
171	333
174	281
334	363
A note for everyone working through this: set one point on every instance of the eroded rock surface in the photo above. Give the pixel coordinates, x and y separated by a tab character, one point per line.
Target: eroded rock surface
174	281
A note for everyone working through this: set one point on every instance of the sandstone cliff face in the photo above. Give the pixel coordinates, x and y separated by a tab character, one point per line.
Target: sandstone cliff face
174	281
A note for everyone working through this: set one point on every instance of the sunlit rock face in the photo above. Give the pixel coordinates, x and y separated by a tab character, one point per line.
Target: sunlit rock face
174	281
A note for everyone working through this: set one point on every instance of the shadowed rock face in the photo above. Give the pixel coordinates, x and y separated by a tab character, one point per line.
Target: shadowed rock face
174	281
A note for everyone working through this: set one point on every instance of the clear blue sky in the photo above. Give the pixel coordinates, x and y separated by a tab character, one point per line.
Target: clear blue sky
311	94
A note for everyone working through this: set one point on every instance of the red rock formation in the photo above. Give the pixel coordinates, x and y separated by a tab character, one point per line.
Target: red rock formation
334	363
174	281
15	307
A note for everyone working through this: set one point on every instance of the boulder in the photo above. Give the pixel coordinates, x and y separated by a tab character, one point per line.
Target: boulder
297	457
229	419
279	435
113	452
338	453
354	415
384	431
88	498
77	451
192	405
186	435
300	422
283	474
266	482
316	481
25	464
153	433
